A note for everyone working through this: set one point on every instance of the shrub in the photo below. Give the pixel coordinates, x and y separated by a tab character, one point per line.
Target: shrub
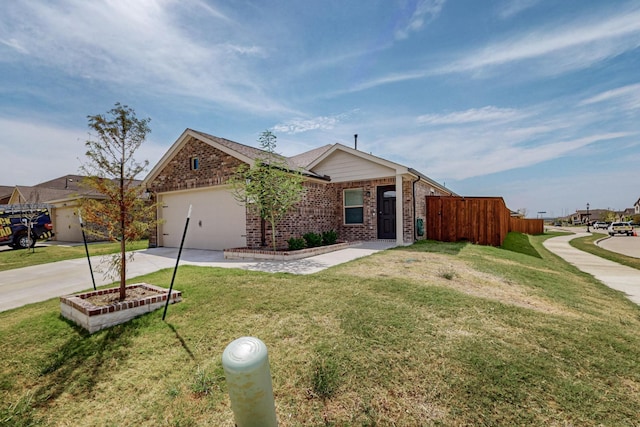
296	243
329	237
313	239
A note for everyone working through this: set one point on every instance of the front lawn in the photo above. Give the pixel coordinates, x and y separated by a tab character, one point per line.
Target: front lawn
432	334
11	259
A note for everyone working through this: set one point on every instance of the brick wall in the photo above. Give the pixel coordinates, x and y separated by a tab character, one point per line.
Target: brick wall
368	230
215	168
423	190
316	212
322	210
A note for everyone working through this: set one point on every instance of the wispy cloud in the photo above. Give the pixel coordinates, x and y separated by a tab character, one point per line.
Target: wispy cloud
14	44
140	45
573	46
488	113
628	96
511	8
546	51
425	12
483	141
299	125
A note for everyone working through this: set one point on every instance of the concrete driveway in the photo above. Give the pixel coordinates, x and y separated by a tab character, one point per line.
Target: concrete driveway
42	282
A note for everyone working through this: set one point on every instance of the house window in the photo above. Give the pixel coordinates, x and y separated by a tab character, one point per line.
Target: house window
194	163
353	206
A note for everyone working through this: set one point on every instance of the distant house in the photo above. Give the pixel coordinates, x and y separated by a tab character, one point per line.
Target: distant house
5	194
361	196
636	207
63	194
627	214
582	216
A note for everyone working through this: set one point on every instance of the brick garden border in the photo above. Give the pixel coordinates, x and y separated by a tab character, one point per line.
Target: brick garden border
93	318
264	254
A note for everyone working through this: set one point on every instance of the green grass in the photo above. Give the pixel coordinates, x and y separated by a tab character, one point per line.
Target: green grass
509	339
588	244
518	242
11	259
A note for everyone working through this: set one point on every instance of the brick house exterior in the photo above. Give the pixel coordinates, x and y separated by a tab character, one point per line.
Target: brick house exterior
197	167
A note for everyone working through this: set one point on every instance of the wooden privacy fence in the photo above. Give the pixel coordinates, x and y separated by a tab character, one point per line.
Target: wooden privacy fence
480	220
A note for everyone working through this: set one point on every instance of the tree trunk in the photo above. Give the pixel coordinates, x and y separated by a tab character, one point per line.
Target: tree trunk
123	212
273	231
123	270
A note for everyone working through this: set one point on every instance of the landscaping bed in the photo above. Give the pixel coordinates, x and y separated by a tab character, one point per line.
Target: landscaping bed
101	309
284	255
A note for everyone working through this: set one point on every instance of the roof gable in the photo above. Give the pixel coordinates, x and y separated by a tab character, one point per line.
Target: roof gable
23	194
241	152
343	163
303	160
359	154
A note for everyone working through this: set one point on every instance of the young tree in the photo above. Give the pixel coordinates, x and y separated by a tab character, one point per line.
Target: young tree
270	187
124	214
609	216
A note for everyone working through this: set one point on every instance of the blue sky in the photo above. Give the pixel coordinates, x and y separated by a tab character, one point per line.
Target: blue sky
535	101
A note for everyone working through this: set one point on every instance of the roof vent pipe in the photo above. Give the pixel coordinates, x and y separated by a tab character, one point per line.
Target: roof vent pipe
355	141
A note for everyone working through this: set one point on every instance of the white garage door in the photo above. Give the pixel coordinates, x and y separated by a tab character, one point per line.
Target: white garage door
217	220
66	225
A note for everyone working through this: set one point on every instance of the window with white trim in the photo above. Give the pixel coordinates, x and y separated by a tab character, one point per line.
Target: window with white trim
353	206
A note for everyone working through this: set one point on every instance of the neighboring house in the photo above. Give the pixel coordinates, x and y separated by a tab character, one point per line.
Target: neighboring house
5	194
580	217
63	194
636	207
361	196
627	214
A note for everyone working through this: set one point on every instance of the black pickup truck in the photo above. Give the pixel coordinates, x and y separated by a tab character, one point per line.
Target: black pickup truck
22	225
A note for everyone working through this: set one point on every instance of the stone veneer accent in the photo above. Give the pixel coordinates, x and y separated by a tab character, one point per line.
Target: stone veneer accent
94	318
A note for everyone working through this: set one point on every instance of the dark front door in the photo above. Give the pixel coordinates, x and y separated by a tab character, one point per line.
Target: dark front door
387	212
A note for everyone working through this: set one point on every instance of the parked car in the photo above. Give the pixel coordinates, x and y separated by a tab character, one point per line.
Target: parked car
600	225
22	225
620	228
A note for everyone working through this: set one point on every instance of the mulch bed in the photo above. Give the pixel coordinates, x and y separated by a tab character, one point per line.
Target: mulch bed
114	297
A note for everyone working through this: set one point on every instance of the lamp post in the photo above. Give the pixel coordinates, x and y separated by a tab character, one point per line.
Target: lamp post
588	217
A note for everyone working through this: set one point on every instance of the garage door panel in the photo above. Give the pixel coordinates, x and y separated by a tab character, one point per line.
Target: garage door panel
66	226
217	220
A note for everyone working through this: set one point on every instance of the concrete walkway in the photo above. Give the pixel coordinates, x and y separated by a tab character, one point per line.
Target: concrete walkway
42	282
612	274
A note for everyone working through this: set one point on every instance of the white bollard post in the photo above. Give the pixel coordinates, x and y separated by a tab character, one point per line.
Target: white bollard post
246	368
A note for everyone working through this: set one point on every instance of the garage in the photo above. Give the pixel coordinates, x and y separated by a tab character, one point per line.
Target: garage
66	225
217	221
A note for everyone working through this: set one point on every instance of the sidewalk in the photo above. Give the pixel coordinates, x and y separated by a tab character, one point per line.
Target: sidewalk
612	274
42	282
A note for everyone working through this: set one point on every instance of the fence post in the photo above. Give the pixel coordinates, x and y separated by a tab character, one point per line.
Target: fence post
246	369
